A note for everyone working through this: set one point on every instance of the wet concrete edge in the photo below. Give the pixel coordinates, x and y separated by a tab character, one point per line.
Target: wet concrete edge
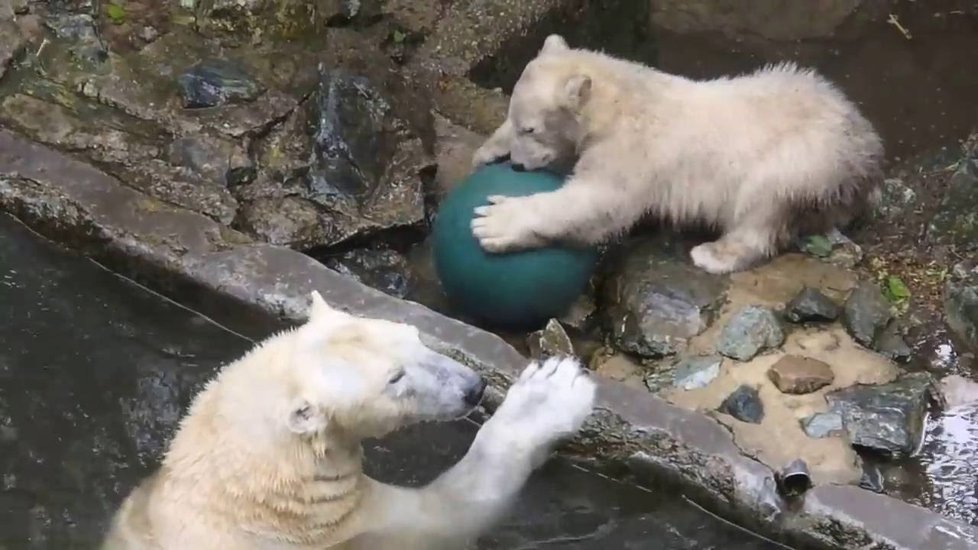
173	249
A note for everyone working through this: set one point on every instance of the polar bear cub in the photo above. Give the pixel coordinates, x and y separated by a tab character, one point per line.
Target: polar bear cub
269	455
761	157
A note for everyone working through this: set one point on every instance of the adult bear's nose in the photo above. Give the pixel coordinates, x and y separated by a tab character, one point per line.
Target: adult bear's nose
473	396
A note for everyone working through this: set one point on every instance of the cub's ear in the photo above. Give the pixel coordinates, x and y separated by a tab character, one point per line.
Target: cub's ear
305	418
553	44
577	91
319	309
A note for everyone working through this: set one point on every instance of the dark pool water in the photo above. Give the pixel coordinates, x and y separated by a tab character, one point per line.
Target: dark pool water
95	372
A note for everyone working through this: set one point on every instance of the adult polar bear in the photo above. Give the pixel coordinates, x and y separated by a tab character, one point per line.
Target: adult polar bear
269	456
761	157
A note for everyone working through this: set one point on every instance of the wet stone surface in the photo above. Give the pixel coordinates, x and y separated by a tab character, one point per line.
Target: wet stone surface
216	82
956	221
749	332
655	301
345	165
888	418
744	404
383	269
550	341
961	303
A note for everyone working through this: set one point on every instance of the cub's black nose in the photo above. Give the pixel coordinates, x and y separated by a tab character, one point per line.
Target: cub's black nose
518	167
474	394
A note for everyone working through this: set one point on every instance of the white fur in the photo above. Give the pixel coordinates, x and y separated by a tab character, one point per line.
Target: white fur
269	455
760	157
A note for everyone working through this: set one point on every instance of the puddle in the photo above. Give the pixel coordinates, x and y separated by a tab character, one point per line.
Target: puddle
95	372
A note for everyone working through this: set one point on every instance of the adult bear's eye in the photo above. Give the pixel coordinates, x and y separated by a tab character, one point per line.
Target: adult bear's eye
397	376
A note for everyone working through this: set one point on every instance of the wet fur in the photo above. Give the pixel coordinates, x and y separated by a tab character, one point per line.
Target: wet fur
269	454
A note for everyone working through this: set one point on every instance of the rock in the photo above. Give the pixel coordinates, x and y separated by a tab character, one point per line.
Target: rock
655	301
750	331
580	314
696	372
216	82
811	305
890	343
11	44
958	391
383	269
896	200
798	375
348	161
550	341
866	313
888	418
845	253
741	21
744	404
821	425
961	303
192	173
81	32
956	221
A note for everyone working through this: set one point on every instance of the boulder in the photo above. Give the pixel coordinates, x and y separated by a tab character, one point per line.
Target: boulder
888	418
810	304
961	303
866	313
744	404
750	331
693	373
655	301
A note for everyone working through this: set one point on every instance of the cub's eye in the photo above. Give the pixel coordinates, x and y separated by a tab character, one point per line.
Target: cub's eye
528	130
397	376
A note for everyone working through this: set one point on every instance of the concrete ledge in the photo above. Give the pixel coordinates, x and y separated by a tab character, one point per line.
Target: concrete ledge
177	251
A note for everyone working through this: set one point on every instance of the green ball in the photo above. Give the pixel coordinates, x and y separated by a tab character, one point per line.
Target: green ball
520	289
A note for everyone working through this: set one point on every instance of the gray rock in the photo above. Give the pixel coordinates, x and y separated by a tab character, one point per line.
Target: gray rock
811	305
550	341
581	313
750	331
961	303
956	221
744	404
215	82
11	43
696	372
655	301
896	200
348	161
888	418
866	313
190	172
383	269
80	30
890	343
821	425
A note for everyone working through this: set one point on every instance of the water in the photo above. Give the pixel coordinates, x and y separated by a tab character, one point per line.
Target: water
95	372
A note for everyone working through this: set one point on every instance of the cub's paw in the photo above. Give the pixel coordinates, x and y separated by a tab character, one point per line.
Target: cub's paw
488	153
504	225
548	402
713	258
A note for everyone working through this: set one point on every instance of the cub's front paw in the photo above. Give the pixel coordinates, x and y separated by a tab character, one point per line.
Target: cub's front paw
504	225
548	402
488	153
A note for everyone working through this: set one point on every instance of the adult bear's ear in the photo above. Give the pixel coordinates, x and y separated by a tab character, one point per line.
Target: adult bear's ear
577	91
553	44
319	309
306	418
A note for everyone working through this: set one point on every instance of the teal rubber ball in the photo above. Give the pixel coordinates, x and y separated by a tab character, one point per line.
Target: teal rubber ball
520	289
